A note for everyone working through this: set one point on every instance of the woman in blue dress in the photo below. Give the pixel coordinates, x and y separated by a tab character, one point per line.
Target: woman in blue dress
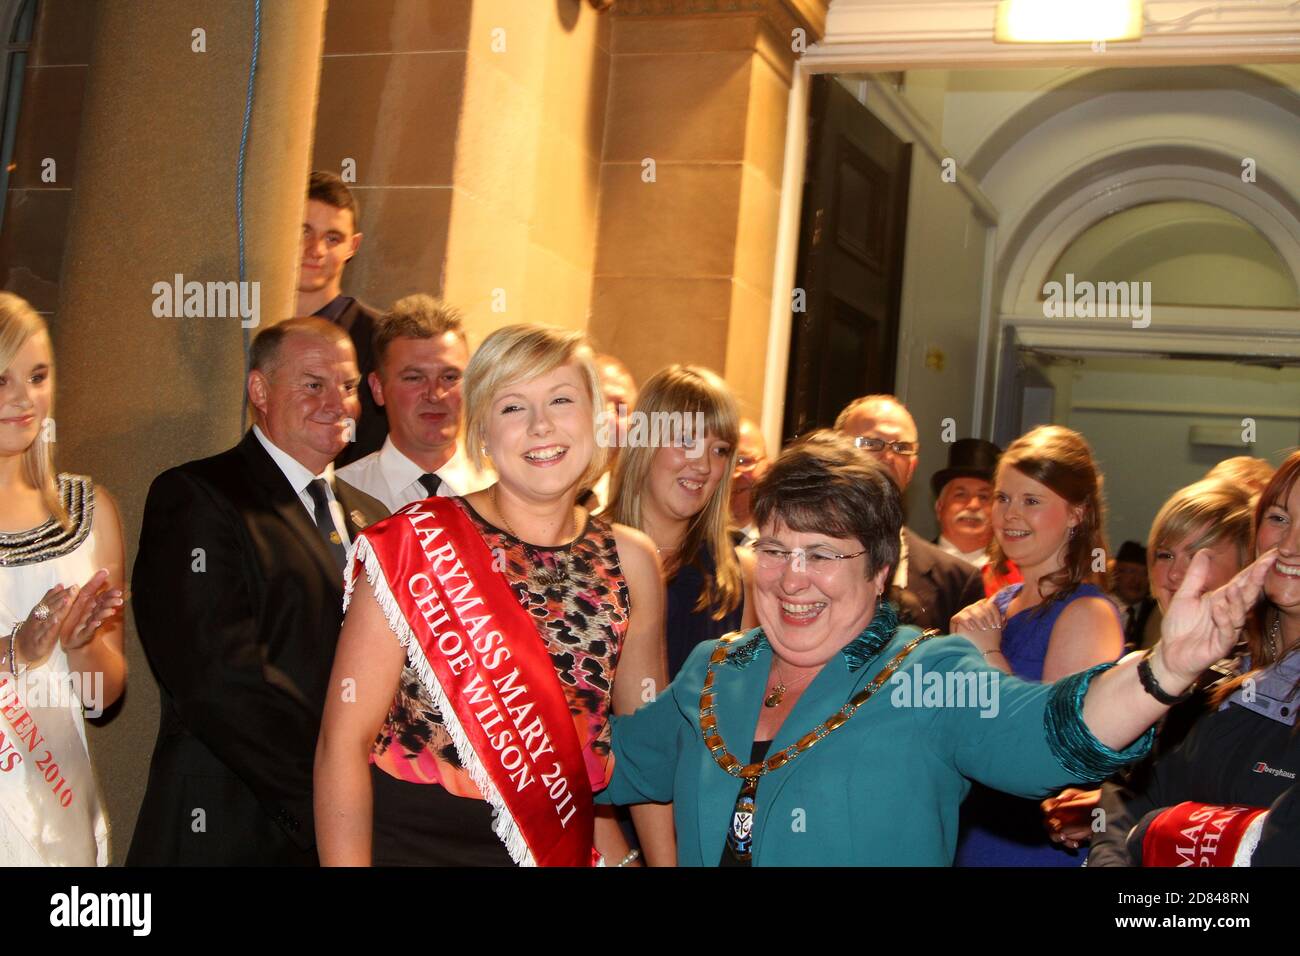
1047	518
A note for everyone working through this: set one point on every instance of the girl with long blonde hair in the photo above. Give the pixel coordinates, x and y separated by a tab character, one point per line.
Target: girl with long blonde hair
679	492
61	655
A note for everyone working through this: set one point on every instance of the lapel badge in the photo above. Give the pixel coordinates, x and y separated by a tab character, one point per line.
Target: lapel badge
358	518
334	538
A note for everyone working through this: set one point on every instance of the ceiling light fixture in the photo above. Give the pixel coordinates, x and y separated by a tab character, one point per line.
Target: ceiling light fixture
1068	21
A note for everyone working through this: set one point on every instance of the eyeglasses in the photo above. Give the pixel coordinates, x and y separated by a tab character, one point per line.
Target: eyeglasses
877	445
817	562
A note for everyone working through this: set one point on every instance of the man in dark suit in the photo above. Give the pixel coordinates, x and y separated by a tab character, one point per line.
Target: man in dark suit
1130	589
331	236
238	593
929	585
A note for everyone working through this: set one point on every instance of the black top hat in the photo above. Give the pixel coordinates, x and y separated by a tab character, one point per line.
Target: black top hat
1130	552
967	458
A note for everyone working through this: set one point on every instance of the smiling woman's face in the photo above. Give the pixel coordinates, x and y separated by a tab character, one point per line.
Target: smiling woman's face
26	391
683	480
809	609
1280	528
540	434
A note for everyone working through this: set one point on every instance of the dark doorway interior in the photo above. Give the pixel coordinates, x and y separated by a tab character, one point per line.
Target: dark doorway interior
850	268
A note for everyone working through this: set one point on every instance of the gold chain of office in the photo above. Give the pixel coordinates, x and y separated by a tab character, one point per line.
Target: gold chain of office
728	761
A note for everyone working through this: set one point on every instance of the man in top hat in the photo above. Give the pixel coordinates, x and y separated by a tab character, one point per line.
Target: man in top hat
963	499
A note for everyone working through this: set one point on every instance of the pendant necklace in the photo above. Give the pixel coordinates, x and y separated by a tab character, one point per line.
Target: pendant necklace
778	691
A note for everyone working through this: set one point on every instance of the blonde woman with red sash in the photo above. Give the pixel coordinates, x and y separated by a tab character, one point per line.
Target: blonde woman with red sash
61	566
488	640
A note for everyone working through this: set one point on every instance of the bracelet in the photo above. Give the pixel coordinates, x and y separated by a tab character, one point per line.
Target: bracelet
631	857
995	650
11	653
1152	686
1074	745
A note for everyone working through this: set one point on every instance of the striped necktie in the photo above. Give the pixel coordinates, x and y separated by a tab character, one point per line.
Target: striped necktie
325	521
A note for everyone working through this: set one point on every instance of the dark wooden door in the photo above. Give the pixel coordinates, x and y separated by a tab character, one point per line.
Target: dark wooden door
850	265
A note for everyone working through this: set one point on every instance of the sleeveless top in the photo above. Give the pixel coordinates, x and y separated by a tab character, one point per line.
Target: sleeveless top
685	627
50	809
582	620
998	829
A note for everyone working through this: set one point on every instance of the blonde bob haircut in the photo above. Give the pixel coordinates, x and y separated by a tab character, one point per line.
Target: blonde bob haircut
18	323
686	390
521	353
1223	509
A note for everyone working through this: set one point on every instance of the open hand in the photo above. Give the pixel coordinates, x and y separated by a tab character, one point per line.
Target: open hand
74	615
94	604
1200	627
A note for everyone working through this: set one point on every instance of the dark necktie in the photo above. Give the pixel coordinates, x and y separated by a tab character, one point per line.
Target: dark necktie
431	483
325	521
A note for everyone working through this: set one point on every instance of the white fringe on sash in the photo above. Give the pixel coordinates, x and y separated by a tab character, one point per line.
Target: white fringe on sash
503	823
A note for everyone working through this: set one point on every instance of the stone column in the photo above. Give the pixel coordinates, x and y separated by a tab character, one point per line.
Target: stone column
691	182
154	197
474	129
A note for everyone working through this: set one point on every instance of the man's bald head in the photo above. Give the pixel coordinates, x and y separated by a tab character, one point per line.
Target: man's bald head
264	353
885	418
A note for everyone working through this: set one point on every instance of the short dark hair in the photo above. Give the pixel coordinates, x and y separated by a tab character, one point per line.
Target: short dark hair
824	484
264	353
327	188
416	316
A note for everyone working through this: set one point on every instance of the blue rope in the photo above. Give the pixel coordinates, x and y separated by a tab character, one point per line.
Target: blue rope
239	190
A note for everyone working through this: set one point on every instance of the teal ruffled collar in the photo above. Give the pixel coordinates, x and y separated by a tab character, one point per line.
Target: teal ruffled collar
859	651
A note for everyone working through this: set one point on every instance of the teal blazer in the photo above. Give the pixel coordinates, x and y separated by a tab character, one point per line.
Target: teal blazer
882	790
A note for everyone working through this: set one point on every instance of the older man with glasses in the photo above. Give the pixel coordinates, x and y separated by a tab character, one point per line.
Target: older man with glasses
929	585
751	465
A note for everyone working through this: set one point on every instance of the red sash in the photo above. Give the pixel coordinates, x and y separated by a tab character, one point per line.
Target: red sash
1199	834
479	655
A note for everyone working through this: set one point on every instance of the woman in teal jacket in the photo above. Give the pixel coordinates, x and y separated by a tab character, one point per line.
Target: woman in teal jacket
830	736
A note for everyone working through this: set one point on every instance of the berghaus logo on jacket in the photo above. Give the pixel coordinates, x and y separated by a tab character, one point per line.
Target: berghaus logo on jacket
1262	767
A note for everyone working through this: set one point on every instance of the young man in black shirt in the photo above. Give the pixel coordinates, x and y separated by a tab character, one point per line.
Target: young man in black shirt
330	237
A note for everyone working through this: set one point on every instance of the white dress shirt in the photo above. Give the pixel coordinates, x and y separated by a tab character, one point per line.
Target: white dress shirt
394	479
978	558
900	572
300	477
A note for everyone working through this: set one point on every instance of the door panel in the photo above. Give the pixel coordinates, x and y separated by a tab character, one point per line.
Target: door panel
850	260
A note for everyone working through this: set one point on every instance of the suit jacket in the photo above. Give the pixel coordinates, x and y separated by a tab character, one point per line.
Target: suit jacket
1137	632
882	790
938	585
238	605
358	321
